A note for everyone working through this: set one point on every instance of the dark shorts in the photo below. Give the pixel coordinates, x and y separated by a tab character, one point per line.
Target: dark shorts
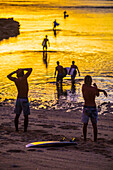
89	112
59	77
22	104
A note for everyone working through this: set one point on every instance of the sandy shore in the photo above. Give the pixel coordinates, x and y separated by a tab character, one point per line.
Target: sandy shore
53	125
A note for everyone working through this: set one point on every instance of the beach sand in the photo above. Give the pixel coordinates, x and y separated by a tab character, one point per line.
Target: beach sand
54	125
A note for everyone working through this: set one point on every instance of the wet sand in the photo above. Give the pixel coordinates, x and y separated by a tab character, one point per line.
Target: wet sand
54	125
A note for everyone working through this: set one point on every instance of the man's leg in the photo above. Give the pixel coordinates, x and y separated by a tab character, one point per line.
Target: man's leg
25	123
16	121
95	131
85	130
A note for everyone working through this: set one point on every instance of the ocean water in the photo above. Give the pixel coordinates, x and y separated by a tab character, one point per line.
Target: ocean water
86	37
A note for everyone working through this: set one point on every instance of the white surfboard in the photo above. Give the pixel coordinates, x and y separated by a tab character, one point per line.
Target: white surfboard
72	70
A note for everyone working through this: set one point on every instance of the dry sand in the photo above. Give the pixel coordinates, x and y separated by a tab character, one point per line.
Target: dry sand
53	125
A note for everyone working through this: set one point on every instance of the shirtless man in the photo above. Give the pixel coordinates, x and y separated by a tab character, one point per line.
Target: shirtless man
89	111
74	72
44	43
59	68
22	102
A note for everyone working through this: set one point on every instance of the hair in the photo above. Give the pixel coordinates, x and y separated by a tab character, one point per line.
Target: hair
20	73
58	62
88	79
73	62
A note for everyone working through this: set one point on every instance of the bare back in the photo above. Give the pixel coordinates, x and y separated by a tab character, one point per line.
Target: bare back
89	94
59	69
22	87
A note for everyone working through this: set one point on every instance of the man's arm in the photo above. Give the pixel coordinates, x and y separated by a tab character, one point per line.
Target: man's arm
55	73
9	76
100	90
78	71
105	93
29	70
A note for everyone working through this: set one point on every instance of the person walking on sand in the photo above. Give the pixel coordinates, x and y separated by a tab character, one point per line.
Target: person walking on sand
89	110
74	72
59	69
45	42
22	102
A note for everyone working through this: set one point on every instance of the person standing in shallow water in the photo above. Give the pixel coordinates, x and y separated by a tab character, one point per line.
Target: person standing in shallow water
22	102
74	72
45	43
59	69
89	110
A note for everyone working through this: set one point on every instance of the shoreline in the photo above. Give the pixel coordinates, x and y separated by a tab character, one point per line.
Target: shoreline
8	28
54	125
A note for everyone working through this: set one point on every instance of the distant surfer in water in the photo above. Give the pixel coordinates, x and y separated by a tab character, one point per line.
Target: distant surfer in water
74	72
55	24
45	42
65	14
59	69
22	102
89	110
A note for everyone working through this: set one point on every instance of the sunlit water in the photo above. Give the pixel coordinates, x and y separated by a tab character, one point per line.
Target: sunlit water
86	36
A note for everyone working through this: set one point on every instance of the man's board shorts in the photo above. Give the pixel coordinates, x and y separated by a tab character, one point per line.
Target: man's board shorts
59	77
89	112
22	104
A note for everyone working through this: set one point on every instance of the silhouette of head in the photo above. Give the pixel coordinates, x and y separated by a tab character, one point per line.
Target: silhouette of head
20	73
57	62
73	62
46	36
88	80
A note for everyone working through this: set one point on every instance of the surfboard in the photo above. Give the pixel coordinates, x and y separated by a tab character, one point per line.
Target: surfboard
56	23
72	70
66	15
50	144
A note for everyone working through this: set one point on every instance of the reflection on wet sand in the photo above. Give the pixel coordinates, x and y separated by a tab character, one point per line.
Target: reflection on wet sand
45	58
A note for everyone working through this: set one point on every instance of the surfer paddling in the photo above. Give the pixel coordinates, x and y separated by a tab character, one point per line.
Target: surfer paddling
74	72
45	43
22	102
89	110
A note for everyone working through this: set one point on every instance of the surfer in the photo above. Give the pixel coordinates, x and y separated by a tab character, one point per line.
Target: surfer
89	110
22	102
55	24
59	69
74	72
45	42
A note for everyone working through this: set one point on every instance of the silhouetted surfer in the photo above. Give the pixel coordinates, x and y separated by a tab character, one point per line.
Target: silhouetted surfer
55	24
59	69
65	14
45	42
74	72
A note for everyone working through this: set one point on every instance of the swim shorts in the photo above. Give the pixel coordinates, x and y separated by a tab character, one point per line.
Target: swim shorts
89	112
22	104
59	77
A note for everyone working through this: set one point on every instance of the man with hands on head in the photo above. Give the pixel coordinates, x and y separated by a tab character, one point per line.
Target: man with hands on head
22	102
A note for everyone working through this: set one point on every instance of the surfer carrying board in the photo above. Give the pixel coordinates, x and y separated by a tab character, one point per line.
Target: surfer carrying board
45	42
65	14
22	102
89	110
55	24
73	66
59	69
